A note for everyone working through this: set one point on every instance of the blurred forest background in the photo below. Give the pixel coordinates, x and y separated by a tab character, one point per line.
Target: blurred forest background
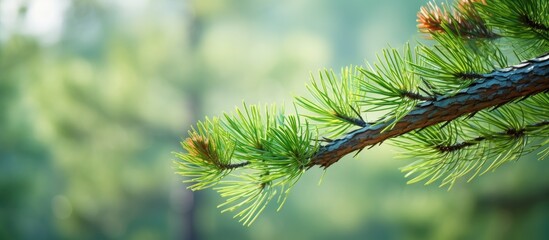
95	95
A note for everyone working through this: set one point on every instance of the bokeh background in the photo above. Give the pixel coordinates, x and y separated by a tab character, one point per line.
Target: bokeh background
95	95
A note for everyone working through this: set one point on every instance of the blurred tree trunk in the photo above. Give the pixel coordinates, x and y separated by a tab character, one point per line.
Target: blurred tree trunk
195	93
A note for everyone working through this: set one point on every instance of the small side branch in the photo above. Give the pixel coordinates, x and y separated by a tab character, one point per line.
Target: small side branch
417	96
459	146
533	24
509	132
235	165
493	89
355	121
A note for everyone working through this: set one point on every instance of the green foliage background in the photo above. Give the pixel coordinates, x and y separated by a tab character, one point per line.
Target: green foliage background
90	114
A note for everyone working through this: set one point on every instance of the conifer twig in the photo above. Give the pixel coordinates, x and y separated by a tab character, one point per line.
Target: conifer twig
491	90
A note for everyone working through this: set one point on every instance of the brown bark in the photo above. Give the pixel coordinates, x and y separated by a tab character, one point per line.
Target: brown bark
491	90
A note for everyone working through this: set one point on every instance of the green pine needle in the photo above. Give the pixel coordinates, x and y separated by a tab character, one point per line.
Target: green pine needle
526	23
265	153
334	104
473	146
389	84
208	157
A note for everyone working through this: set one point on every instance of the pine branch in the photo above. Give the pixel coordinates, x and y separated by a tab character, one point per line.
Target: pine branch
477	140
489	91
431	92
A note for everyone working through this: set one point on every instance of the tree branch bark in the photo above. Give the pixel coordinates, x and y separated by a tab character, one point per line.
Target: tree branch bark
491	90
